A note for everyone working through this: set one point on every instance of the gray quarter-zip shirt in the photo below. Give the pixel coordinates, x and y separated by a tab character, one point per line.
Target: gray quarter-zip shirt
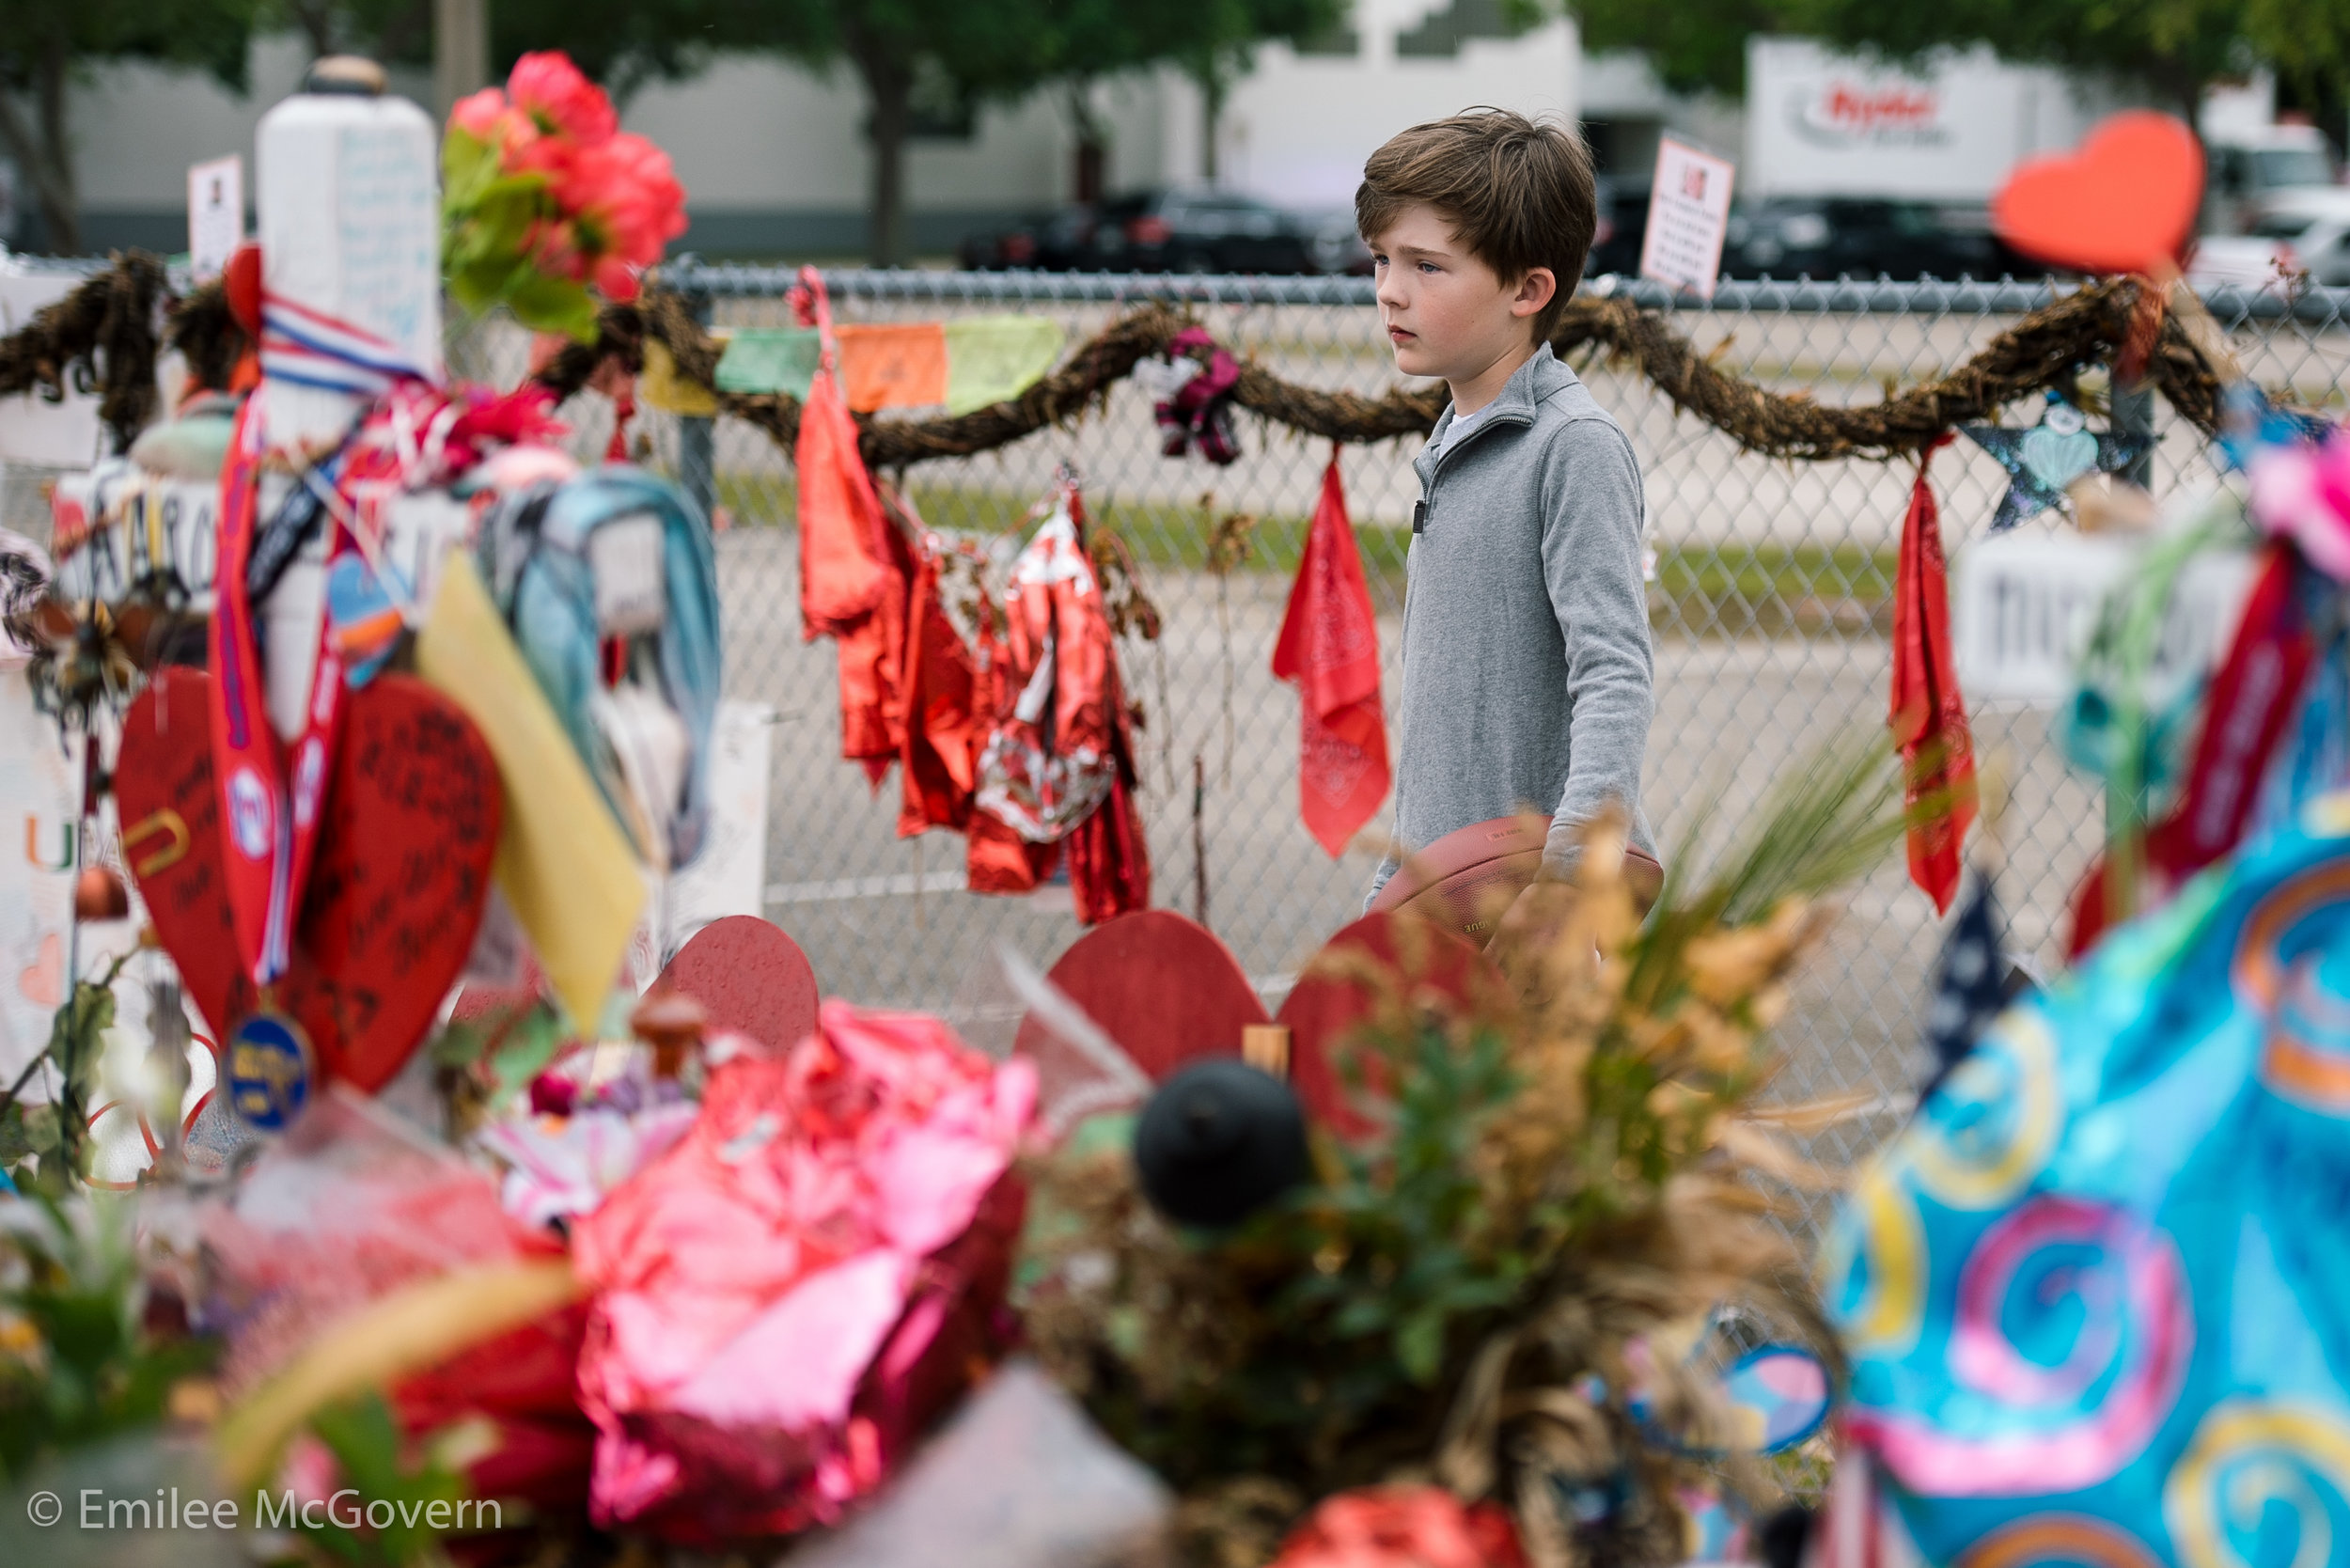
1527	679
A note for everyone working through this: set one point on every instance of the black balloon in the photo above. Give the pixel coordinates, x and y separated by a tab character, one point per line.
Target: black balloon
1218	1141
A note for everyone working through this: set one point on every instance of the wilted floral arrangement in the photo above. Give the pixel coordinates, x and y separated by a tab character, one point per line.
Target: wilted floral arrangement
1521	1282
547	203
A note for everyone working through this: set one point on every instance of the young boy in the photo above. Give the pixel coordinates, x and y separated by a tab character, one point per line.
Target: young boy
1526	672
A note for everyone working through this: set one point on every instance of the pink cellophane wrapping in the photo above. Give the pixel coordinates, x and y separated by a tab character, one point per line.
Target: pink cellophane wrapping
786	1294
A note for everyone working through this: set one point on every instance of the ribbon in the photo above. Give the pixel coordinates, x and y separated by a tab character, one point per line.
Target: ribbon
2250	705
1928	716
270	800
310	348
1329	645
269	823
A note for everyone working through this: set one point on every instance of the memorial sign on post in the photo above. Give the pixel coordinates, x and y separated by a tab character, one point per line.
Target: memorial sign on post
2023	608
1688	218
215	214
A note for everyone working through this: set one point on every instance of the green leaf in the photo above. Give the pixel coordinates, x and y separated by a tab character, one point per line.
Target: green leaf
554	305
1419	1345
41	1129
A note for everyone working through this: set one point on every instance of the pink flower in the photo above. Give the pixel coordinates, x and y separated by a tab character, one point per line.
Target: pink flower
548	88
624	204
478	114
2303	492
1402	1527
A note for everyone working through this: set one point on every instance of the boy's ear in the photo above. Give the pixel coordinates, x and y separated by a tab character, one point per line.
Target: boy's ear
1536	289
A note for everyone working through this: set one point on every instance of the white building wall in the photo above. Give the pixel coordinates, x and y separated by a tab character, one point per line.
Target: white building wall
1297	129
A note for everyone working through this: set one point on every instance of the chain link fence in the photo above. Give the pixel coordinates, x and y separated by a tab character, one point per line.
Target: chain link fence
1770	602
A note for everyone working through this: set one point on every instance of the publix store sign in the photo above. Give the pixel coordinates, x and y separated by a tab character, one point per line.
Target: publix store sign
1819	123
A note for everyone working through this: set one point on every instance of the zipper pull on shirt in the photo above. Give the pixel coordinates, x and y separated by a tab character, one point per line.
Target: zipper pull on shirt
1419	517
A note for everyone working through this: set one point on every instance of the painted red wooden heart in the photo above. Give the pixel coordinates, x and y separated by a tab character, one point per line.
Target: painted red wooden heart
749	976
1163	987
2125	203
402	869
1429	965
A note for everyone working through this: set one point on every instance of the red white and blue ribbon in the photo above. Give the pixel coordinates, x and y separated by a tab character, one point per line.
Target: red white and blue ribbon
310	348
272	801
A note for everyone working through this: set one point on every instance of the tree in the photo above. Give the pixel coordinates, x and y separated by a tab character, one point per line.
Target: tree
622	44
45	44
943	55
1694	45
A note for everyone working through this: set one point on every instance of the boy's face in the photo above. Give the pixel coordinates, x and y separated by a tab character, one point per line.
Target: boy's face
1449	314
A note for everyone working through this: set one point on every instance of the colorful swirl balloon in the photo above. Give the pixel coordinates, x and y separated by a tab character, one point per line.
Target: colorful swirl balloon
2074	1318
2249	1455
2305	1053
1980	1140
2058	1541
1874	1267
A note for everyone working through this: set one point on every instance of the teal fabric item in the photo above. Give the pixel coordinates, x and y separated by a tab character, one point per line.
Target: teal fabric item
535	557
2093	1296
770	359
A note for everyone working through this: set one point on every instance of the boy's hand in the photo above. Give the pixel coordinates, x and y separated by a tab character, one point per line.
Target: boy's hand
1534	920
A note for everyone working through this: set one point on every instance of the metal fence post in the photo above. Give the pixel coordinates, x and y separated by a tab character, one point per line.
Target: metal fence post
2134	414
697	452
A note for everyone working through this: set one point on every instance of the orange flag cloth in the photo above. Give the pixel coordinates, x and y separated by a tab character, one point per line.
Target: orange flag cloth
893	363
1929	716
1329	645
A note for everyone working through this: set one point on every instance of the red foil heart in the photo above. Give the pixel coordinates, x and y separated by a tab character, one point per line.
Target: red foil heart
2125	203
404	867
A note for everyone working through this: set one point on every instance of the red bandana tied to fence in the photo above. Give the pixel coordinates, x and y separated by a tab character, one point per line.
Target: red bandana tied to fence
1329	645
1929	716
853	567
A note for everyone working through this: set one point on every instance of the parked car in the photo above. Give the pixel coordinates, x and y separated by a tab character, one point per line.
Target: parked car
1623	225
1828	237
2247	262
1338	246
2255	172
1165	230
2314	229
1047	241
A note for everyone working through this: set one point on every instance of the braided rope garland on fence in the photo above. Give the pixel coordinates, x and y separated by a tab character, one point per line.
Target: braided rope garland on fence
102	337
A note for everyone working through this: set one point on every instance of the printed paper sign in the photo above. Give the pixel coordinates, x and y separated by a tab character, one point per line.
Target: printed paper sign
1689	217
2023	608
215	214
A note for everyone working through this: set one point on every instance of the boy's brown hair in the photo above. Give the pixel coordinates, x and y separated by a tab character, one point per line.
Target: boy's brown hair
1519	193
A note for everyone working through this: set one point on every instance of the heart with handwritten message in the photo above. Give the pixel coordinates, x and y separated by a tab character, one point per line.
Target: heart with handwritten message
2125	203
397	890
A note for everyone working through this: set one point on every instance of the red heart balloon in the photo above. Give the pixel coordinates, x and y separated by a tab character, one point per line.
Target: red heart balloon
2125	203
1163	987
396	890
1432	966
749	976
